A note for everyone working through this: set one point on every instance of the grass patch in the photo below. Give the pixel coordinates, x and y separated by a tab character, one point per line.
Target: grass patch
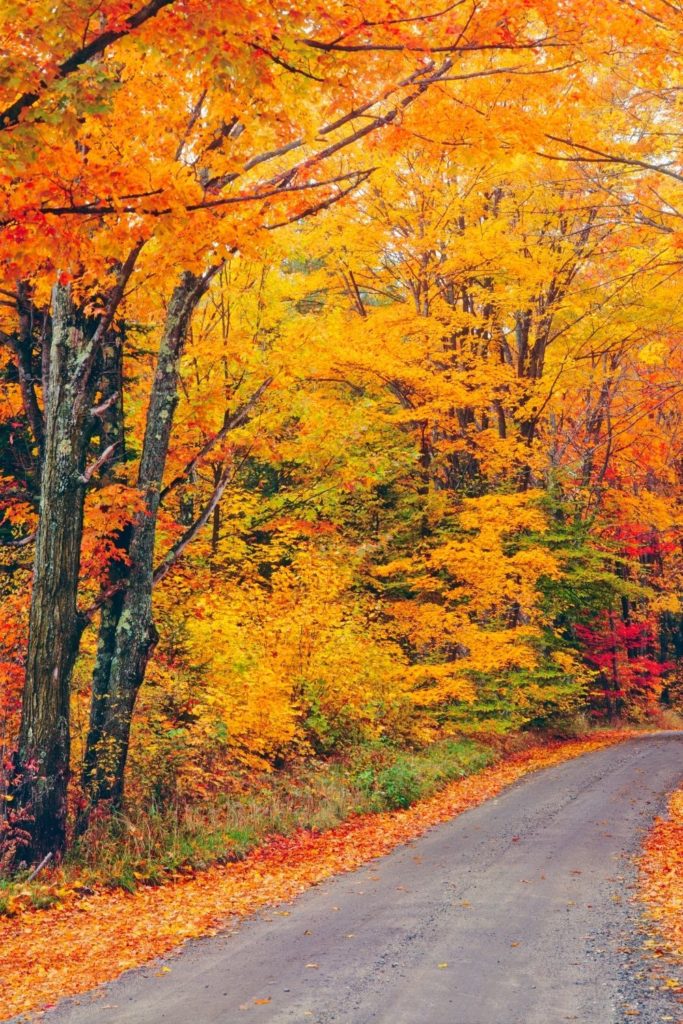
400	780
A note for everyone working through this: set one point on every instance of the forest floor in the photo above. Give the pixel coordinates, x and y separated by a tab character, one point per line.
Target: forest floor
519	911
97	932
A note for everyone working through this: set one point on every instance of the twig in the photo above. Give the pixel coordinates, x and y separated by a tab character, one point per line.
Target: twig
20	543
98	463
237	419
36	871
178	548
99	410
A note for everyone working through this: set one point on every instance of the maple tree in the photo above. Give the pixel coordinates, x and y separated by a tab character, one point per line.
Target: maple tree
339	390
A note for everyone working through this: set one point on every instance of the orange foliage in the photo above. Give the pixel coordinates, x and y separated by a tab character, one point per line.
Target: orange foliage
661	880
417	444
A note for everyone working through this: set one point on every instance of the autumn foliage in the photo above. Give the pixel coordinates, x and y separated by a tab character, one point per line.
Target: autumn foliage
661	886
340	402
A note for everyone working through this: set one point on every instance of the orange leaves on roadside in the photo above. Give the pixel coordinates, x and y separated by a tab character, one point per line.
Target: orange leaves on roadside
661	880
74	947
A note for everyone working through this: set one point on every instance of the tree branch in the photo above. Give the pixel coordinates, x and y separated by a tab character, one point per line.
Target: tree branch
117	292
98	463
196	111
113	301
324	204
27	314
19	495
176	551
258	48
12	114
231	423
533	44
600	156
284	186
22	542
283	182
99	410
86	617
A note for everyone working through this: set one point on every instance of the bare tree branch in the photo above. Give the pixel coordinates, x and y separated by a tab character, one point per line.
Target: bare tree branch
456	47
98	463
231	423
324	204
86	617
600	156
22	542
259	48
196	111
284	187
99	410
176	551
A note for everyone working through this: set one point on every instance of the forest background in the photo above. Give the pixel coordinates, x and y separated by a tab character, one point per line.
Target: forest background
340	406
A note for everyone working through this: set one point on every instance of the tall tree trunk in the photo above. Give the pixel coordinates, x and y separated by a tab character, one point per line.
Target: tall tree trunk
112	434
42	770
130	631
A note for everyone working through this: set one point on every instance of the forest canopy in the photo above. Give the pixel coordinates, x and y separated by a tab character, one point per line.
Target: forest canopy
340	386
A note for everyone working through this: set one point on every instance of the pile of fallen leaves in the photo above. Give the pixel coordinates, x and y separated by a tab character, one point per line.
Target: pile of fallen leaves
661	879
75	946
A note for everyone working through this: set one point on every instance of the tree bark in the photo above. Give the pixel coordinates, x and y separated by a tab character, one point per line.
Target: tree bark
112	435
128	634
41	772
40	769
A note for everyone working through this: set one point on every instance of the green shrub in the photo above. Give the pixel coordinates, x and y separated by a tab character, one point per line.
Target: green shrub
399	786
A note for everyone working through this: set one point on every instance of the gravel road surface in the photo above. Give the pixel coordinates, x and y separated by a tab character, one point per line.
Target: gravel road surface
516	912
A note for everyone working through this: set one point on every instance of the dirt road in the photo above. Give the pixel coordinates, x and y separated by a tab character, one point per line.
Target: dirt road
517	912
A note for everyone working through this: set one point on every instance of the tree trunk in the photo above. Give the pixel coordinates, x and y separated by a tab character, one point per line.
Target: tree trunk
112	435
41	771
93	770
128	635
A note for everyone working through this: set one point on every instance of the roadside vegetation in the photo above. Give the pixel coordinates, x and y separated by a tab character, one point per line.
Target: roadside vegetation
150	845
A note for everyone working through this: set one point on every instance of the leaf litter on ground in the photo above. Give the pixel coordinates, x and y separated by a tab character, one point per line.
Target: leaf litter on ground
661	888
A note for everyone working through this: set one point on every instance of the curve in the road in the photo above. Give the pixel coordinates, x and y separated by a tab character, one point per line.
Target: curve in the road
517	912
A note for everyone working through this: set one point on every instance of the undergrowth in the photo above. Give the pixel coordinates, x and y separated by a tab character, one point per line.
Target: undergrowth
149	844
